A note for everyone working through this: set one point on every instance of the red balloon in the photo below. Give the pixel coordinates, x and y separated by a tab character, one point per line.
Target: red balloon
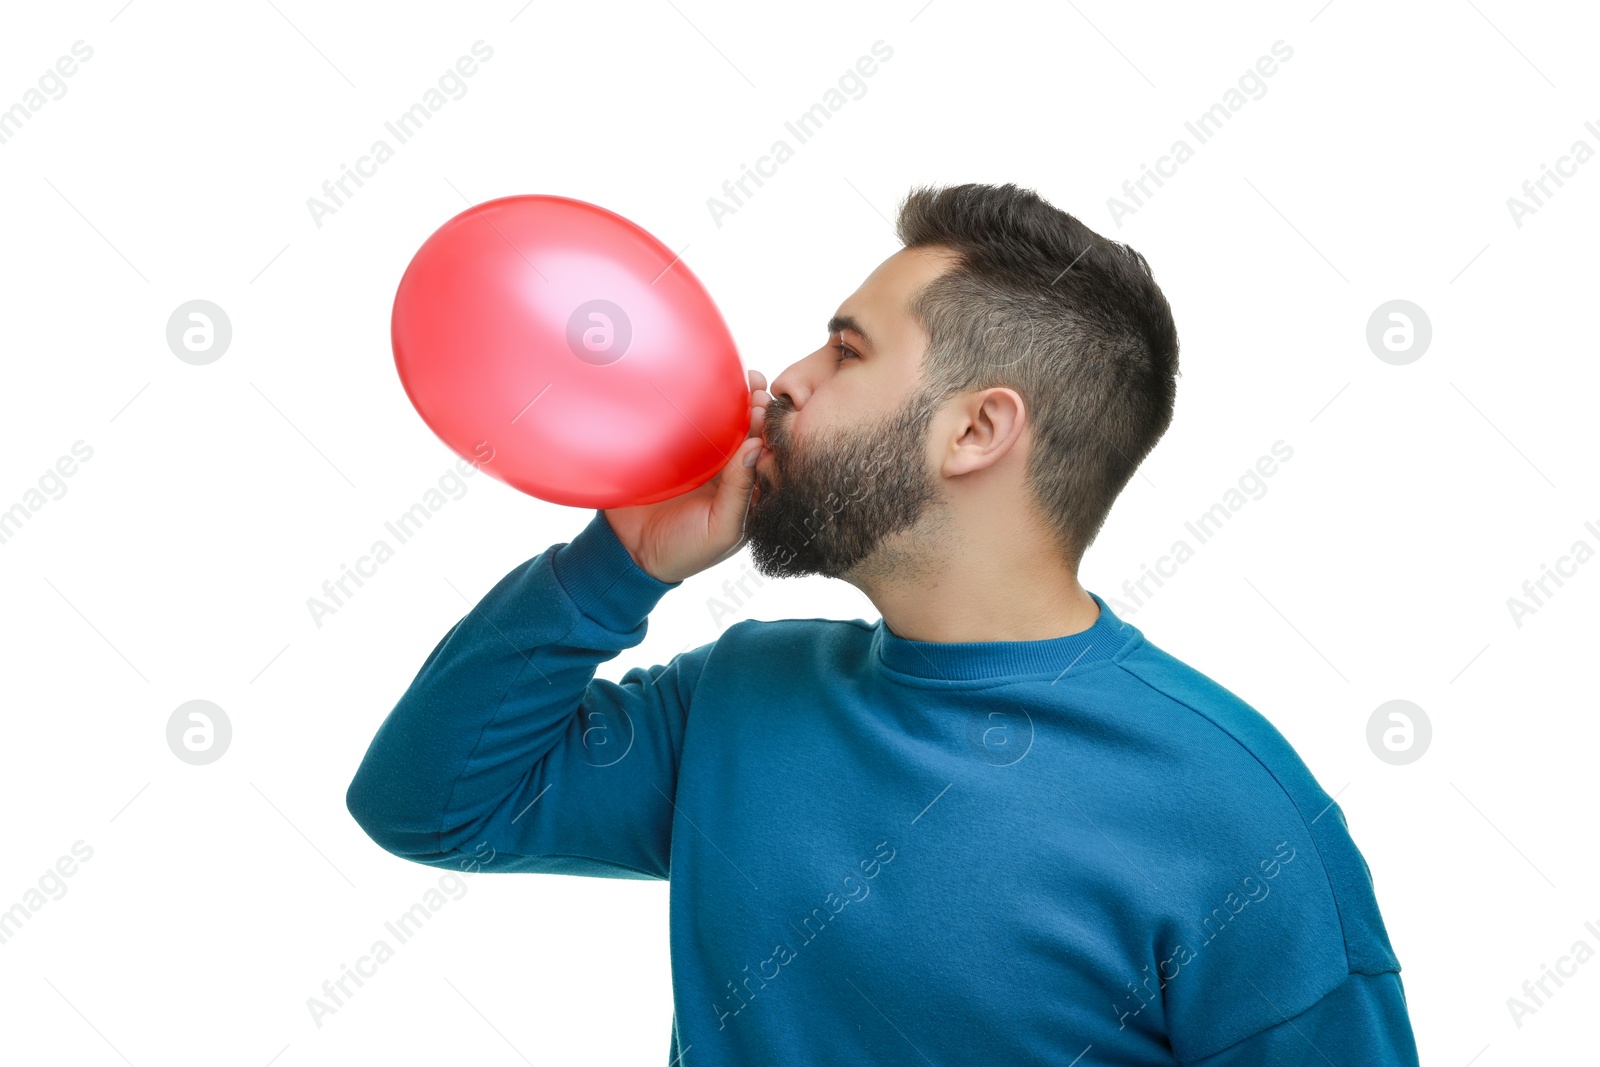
569	353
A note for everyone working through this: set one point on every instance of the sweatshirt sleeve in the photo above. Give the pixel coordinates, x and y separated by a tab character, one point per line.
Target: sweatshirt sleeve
507	751
1362	1023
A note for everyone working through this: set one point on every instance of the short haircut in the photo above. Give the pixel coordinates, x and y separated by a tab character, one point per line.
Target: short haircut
1075	323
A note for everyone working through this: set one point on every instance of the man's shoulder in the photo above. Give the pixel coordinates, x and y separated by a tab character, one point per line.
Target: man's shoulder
778	632
1279	775
1220	723
1237	735
795	648
1252	791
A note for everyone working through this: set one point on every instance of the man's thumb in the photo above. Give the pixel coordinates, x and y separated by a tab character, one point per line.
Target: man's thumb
738	481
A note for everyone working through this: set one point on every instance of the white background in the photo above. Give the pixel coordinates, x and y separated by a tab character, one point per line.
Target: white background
218	498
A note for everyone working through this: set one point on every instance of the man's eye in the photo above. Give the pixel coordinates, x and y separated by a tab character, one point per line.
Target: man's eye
844	353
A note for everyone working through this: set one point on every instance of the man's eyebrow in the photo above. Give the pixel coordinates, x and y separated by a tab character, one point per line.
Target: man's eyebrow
840	323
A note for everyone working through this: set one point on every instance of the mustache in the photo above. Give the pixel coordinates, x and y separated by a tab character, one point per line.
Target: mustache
775	423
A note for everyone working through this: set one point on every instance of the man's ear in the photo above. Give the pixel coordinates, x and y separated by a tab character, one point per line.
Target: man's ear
989	425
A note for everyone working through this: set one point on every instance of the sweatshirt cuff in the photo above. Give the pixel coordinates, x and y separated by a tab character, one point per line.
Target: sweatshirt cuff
602	579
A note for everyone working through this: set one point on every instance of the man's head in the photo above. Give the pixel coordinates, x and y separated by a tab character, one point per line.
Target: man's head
1007	366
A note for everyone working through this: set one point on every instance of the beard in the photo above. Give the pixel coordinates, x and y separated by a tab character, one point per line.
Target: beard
830	505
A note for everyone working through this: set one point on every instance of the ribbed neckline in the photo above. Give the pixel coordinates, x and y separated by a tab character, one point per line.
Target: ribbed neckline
975	660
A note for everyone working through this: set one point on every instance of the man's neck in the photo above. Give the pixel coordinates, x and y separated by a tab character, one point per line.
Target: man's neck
977	596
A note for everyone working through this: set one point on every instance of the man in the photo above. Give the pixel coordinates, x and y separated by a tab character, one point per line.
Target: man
997	826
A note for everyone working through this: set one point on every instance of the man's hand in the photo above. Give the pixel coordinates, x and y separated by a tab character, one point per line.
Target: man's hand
674	538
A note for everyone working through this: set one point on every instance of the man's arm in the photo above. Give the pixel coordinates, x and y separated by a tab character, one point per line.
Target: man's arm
506	739
1362	1023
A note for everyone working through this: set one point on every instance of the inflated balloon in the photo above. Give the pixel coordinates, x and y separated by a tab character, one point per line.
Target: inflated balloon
569	353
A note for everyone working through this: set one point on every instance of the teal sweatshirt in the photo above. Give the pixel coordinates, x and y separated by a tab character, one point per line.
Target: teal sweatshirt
1073	851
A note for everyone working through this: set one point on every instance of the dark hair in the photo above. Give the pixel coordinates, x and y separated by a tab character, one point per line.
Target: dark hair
1075	323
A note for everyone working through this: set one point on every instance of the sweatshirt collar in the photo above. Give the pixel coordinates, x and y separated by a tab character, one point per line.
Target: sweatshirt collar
974	660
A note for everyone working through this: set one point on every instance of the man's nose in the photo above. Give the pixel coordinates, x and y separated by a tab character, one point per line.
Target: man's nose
789	389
